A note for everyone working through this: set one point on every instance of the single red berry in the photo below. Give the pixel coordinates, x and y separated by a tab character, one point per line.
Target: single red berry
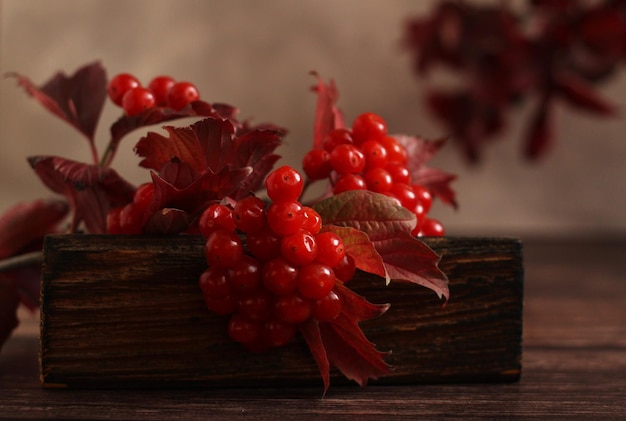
223	249
399	173
335	138
249	214
316	164
215	283
396	152
299	248
181	94
216	216
137	100
257	306
330	248
348	182
368	126
279	276
222	306
378	180
292	309
405	194
312	220
345	269
277	334
245	275
264	244
160	86
375	154
243	330
285	218
119	85
424	196
347	159
326	308
315	280
431	228
284	184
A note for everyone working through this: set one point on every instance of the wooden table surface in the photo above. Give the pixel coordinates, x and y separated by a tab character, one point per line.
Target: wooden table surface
574	364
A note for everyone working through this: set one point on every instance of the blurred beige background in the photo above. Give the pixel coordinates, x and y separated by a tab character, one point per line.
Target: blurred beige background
257	55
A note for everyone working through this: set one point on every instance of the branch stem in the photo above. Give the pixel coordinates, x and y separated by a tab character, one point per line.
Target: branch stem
23	260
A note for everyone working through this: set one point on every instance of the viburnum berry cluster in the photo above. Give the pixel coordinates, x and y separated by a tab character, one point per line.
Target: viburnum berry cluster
366	157
277	266
126	91
283	275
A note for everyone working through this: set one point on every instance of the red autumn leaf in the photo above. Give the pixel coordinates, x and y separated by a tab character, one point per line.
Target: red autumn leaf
359	246
327	115
211	145
90	189
388	226
311	333
357	307
77	99
579	94
26	222
421	151
126	124
351	352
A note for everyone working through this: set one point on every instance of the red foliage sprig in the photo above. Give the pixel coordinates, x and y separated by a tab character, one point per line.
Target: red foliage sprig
554	50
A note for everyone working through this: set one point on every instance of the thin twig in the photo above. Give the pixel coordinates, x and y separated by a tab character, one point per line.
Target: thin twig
23	260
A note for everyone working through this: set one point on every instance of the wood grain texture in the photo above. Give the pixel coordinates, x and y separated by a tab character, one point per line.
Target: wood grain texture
127	312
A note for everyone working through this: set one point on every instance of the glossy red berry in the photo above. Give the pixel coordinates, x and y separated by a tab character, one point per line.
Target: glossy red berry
249	214
113	221
245	275
285	218
326	308
119	85
337	137
348	182
399	173
264	244
312	220
315	280
277	334
396	152
375	154
292	309
160	86
223	249
284	184
216	216
431	228
299	248
257	306
405	194
131	219
368	126
214	282
316	164
182	94
345	269
279	276
347	159
222	306
330	248
424	197
143	196
137	100
243	330
378	180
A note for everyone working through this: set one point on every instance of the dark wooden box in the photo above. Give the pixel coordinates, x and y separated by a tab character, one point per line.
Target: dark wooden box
126	311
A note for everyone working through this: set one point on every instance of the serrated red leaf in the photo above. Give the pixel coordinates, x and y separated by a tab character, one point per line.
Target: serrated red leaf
388	226
167	221
77	99
539	136
351	352
90	189
327	115
359	246
356	306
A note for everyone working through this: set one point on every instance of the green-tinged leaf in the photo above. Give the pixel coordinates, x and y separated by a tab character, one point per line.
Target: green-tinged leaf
360	247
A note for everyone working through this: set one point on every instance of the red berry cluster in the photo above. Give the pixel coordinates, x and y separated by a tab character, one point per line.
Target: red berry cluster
365	157
126	91
284	275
